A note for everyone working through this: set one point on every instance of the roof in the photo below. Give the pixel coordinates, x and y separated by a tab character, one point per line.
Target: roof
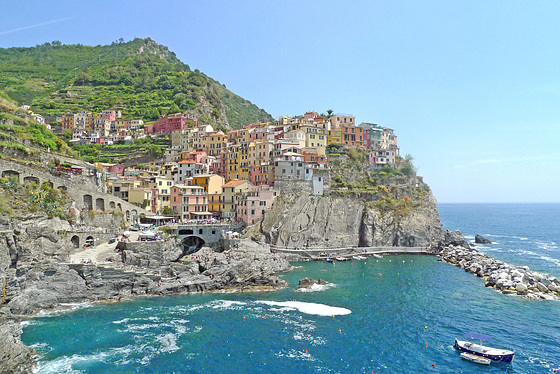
235	183
188	162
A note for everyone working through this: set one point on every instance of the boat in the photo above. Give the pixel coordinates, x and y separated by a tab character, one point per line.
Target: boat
329	259
377	255
342	258
476	359
358	257
495	354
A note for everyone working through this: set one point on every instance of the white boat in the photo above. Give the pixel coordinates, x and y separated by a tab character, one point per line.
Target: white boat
476	359
358	258
377	255
342	258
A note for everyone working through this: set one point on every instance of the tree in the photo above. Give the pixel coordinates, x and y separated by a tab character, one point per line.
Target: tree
408	167
329	113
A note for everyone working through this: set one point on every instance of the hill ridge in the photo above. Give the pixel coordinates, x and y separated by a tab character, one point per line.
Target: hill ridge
142	78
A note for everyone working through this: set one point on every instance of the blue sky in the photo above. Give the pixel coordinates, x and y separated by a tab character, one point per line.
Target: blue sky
471	88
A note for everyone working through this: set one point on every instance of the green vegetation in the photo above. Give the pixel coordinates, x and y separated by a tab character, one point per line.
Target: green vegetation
16	127
118	153
141	78
31	197
393	189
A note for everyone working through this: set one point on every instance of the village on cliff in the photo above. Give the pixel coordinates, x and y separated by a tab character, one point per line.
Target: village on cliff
207	174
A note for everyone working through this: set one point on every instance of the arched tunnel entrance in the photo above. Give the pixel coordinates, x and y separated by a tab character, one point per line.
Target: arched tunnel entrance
75	241
191	244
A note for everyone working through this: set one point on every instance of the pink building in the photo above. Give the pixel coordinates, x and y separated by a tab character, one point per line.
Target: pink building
110	115
254	202
189	202
342	119
173	122
311	115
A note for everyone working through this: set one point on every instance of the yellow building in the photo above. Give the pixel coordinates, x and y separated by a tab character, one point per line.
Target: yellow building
141	197
232	191
212	183
164	185
214	144
335	136
215	203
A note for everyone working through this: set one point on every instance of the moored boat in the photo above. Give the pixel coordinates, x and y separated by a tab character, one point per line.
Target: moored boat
495	354
476	359
377	255
358	257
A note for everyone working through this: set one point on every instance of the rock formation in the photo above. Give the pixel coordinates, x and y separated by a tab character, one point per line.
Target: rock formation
305	220
307	283
479	239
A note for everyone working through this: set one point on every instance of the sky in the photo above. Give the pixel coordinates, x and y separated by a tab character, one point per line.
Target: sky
471	88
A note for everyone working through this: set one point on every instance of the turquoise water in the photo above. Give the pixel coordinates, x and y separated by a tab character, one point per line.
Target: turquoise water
399	314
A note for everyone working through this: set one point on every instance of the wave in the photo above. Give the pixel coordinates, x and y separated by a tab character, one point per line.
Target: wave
317	287
309	308
226	304
550	259
64	364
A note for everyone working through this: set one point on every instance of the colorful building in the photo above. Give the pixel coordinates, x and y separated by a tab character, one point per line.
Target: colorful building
253	203
189	202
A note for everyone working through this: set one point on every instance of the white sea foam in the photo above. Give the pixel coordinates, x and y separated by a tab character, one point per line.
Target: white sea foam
168	342
317	287
64	364
226	304
309	308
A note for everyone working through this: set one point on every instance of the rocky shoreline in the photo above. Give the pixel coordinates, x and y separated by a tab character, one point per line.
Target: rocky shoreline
505	278
36	275
38	281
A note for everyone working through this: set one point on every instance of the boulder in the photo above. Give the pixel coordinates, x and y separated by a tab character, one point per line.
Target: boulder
307	283
542	287
521	289
481	240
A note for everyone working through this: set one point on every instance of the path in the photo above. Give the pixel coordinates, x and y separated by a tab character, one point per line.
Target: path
98	253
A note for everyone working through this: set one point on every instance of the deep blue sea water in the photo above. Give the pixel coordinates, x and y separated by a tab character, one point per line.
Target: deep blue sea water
399	314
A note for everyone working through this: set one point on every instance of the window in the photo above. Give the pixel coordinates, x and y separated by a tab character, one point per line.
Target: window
200	231
252	211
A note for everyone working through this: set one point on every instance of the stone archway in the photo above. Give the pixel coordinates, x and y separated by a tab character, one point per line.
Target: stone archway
31	180
90	241
119	206
49	183
100	204
62	188
75	241
192	244
88	202
127	215
133	213
11	174
111	205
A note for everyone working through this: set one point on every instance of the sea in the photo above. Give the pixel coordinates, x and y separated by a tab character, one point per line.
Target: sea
397	314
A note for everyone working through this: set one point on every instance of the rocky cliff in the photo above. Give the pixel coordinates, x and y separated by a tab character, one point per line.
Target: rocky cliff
405	215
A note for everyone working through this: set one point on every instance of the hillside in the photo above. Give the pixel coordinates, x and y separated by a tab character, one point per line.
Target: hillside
141	78
21	139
